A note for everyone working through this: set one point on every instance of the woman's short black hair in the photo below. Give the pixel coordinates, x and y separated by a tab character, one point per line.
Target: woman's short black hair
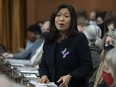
53	34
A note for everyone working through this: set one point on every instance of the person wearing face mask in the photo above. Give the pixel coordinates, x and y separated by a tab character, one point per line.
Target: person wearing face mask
93	34
110	60
109	71
66	58
100	21
92	18
109	43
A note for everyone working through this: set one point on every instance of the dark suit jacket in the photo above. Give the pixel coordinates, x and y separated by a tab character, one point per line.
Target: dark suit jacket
77	63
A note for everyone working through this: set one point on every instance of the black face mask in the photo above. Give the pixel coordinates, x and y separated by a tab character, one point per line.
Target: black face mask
102	29
101	26
109	47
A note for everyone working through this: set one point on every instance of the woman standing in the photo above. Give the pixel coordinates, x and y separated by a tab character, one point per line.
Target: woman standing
66	58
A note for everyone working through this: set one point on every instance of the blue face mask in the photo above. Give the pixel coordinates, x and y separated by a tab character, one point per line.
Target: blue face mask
109	47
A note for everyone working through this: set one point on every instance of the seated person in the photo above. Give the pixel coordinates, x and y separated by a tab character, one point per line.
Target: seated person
33	32
109	42
29	53
93	34
110	60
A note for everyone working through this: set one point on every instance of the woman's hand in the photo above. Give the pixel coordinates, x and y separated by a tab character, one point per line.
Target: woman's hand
64	80
36	66
43	79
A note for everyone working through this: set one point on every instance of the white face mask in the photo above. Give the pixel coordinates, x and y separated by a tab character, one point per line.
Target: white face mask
111	27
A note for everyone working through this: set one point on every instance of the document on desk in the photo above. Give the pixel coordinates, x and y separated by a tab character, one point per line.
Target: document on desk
50	84
18	62
27	69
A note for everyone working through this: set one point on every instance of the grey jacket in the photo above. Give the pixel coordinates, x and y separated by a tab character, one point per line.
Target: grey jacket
27	54
95	53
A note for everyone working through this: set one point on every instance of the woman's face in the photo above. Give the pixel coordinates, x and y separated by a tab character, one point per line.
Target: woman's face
109	41
63	19
99	20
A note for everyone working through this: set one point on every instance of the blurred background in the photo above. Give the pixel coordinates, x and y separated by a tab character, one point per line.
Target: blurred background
17	15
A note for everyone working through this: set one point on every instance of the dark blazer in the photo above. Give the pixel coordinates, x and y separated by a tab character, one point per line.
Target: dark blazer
77	63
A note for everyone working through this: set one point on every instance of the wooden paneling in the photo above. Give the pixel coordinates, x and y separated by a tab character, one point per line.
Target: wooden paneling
12	23
0	20
42	9
16	14
6	31
17	24
31	11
